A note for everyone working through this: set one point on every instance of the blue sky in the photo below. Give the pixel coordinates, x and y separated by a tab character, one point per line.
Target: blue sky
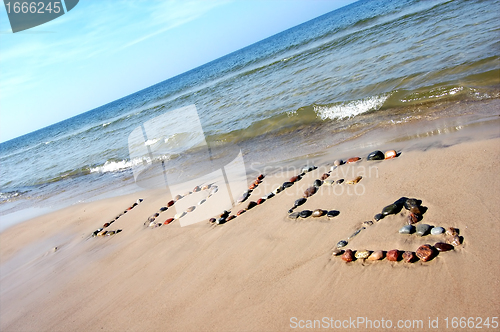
104	50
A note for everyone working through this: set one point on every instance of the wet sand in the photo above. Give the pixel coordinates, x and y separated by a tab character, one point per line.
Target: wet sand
263	271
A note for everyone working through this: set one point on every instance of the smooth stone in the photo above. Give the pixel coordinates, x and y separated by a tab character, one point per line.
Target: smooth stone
268	196
260	177
299	202
309	192
294	178
305	213
220	221
341	243
205	187
440	246
376	155
376	255
306	169
454	240
177	197
212	220
109	233
105	225
169	220
243	197
390	154
339	181
325	176
392	255
332	213
202	201
196	189
101	233
152	224
179	215
413	218
260	201
252	186
390	209
422	229
378	216
170	203
139	200
408	229
348	256
437	230
213	190
318	213
354	181
294	215
231	217
333	168
251	204
409	256
191	208
329	182
452	231
338	162
287	184
163	208
224	214
362	254
336	252
411	202
277	190
353	160
240	212
425	252
355	233
317	183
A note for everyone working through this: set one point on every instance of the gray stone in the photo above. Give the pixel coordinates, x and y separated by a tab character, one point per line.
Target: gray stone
341	243
437	230
407	229
422	229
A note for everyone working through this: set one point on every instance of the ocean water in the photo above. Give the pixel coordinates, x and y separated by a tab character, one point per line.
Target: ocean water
354	70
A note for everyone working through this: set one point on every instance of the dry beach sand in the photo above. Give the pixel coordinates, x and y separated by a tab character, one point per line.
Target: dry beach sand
260	270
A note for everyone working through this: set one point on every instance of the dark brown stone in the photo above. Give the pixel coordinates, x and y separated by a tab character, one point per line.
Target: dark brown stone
392	255
310	191
294	179
440	246
415	210
170	203
425	252
413	218
260	177
212	220
325	176
348	255
452	231
105	225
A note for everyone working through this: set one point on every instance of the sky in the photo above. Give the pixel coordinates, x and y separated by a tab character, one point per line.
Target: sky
103	50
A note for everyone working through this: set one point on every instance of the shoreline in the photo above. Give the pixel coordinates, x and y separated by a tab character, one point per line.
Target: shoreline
261	269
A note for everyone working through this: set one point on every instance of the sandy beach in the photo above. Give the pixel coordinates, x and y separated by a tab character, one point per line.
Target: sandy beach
263	271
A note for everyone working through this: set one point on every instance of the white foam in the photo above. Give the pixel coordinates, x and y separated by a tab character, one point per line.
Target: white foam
350	109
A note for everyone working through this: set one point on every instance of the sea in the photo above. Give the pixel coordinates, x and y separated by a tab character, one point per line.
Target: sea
371	66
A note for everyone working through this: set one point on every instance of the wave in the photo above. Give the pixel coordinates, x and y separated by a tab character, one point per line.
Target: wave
350	109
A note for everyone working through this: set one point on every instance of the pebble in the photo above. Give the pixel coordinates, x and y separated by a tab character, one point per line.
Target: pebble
170	203
408	229
437	230
390	154
268	196
260	201
287	184
378	216
317	183
105	225
202	201
325	176
178	197
309	192
318	213
196	189
299	202
214	190
101	233
393	255
413	218
411	202
240	212
337	252
353	160
220	221
338	162
252	186
454	240
139	200
179	215
206	187
231	217
260	177
332	213
277	190
341	243
355	233
408	256
354	181
362	254
163	208
425	252
348	255
243	197
440	246
305	213
191	208
251	204
422	229
294	215
169	220
211	220
339	181
368	223
390	209
329	182
224	214
376	155
452	231
376	255
294	178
